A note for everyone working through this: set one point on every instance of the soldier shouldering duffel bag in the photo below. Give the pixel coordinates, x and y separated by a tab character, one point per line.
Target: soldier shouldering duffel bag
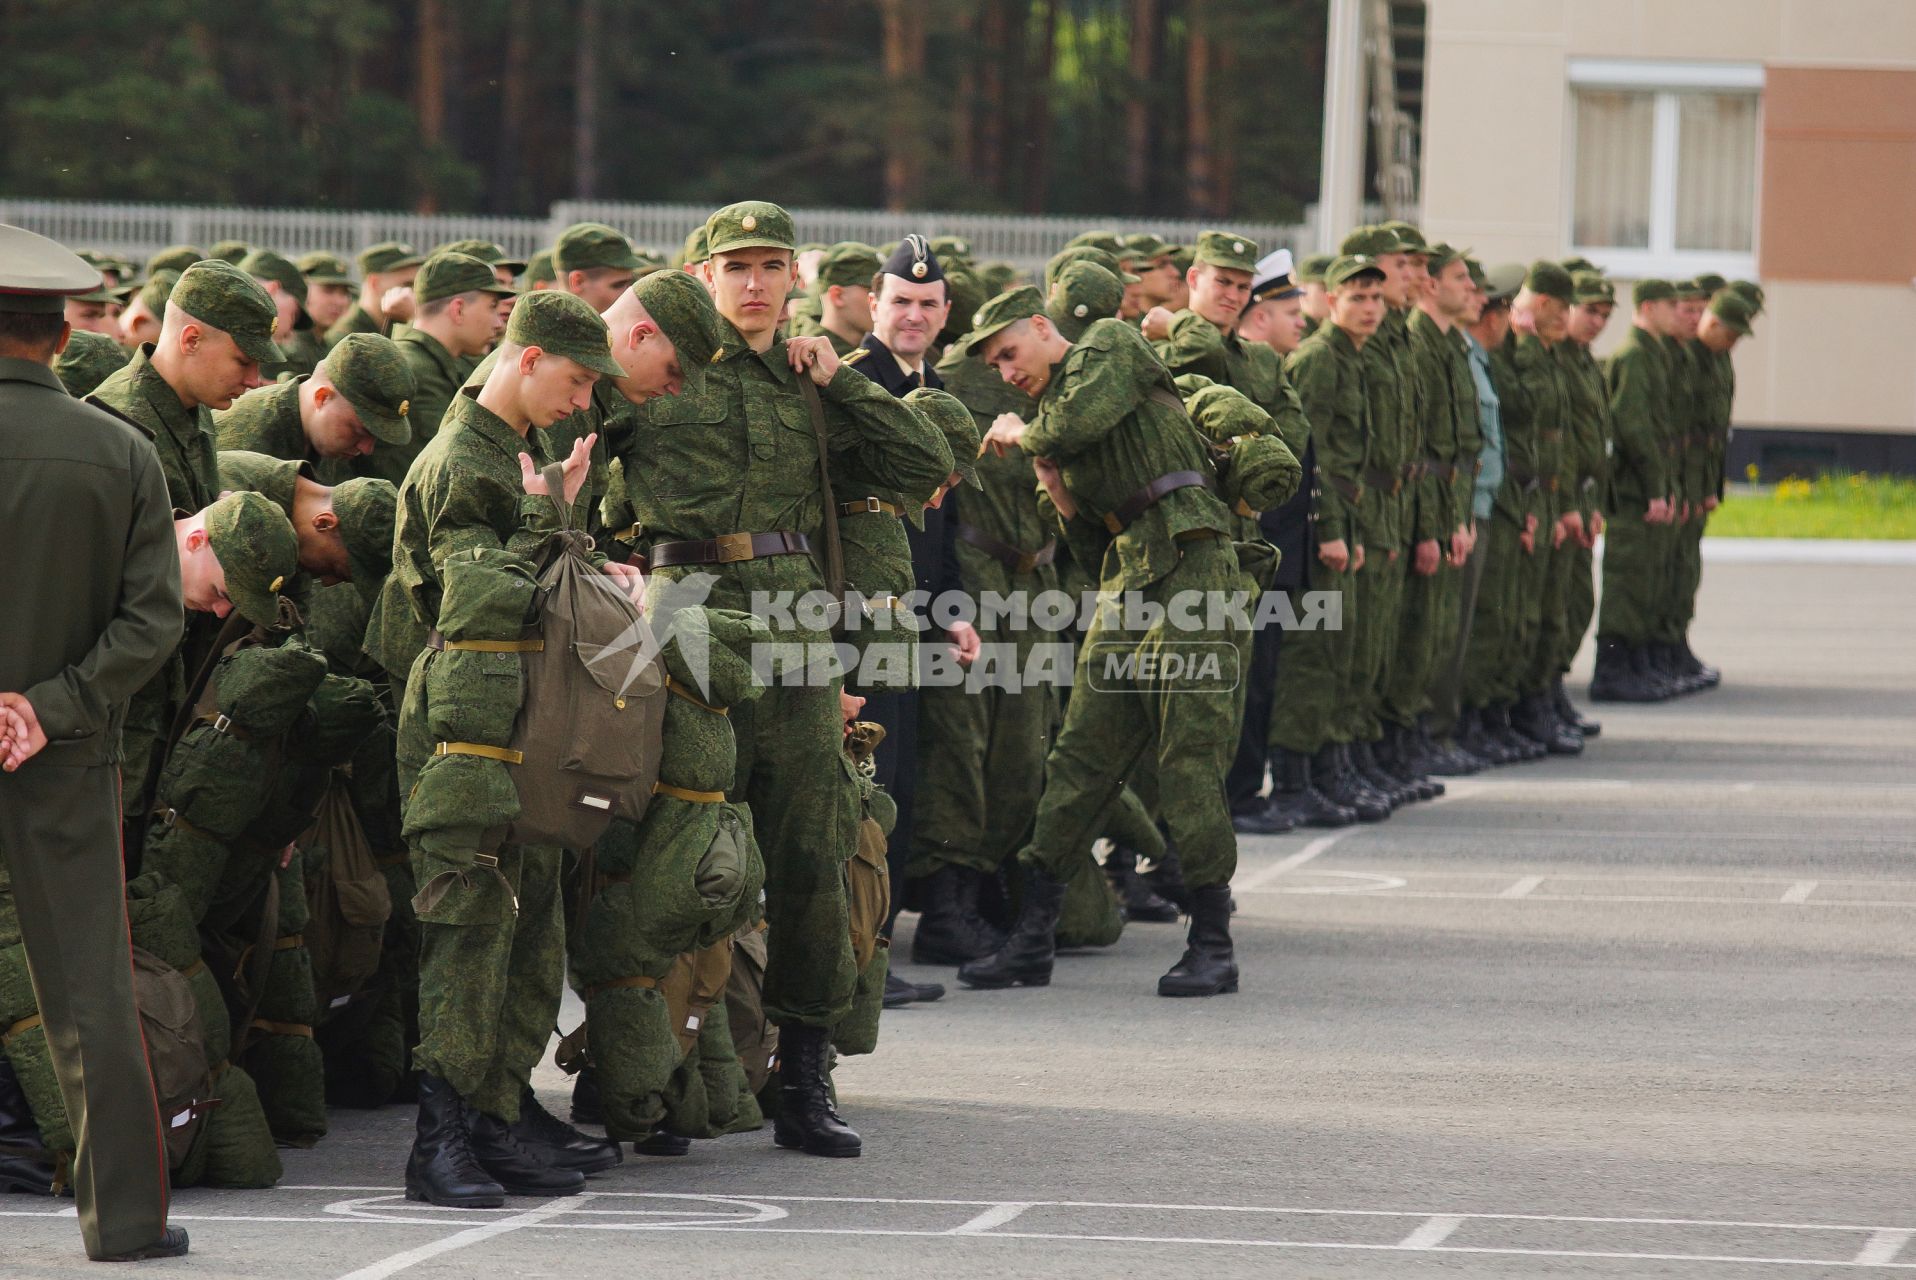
585	746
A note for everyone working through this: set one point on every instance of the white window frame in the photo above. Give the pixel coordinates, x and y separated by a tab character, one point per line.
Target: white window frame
1666	80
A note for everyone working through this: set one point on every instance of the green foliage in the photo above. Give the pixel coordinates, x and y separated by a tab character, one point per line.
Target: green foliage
316	102
1834	505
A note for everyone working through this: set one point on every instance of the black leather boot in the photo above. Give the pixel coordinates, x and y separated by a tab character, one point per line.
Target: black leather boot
1209	967
1447	758
1475	739
1706	676
1363	759
587	1106
443	1169
1536	718
520	1170
662	1143
1141	903
1293	792
1025	959
1618	677
807	1121
1165	878
1497	723
1645	660
31	1174
1568	713
950	930
1401	758
559	1144
1262	818
900	992
171	1244
1333	777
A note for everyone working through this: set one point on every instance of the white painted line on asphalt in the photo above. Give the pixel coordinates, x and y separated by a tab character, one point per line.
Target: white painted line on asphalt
1433	1232
1522	888
1255	882
996	1216
1888	551
1799	892
398	1262
1882	1247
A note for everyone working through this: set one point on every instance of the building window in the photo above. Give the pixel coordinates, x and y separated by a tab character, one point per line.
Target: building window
1663	166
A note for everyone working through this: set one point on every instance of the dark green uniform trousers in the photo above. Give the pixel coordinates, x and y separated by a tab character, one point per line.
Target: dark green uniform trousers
60	840
1374	640
1119	715
1447	683
1555	567
1495	622
1579	605
1313	680
1635	565
1426	634
1686	576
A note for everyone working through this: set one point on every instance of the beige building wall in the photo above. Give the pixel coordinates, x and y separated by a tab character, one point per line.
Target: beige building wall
1836	214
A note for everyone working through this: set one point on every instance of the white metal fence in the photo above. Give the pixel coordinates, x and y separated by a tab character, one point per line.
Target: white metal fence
137	230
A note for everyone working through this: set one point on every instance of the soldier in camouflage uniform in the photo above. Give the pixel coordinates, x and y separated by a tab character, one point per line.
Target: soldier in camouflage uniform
1724	324
1588	433
724	481
842	297
329	292
390	264
1127	475
361	394
300	346
490	976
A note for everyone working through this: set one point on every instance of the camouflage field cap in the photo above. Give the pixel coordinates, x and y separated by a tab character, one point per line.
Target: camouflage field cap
387	255
847	263
1352	266
563	324
220	294
1083	294
323	268
372	374
104	293
89	359
1504	280
682	308
998	275
233	251
1734	310
1592	288
999	313
1084	253
1311	270
1442	255
1690	291
1408	236
1477	276
275	479
1227	249
585	245
948	413
158	288
749	224
38	275
486	251
1109	241
951	250
1750	291
695	250
1549	280
1575	265
1652	290
257	550
1182	256
367	509
1145	247
540	270
264	264
177	258
1710	282
447	275
1374	242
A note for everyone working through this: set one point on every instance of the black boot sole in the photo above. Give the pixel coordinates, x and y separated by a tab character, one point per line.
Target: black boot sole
664	1146
414	1192
611	1158
1005	984
1228	988
941	956
790	1142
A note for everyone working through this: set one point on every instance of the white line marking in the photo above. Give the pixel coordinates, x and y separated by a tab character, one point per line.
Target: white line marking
996	1216
1382	893
1799	892
1881	1248
1296	860
1522	888
1433	1233
473	1235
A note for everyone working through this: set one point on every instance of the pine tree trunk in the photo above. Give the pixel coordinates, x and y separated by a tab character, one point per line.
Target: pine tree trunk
585	113
904	24
429	88
1146	19
515	97
1037	131
1197	115
997	107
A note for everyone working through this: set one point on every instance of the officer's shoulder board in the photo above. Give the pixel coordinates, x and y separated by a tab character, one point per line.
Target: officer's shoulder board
857	354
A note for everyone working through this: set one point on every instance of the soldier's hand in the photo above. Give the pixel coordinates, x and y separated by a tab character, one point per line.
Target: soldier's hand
1429	554
577	466
1357	557
1053	481
965	644
1157	324
21	737
1337	555
397	303
1596	528
813	355
1710	503
1527	540
1459	547
1658	512
630	581
1007	433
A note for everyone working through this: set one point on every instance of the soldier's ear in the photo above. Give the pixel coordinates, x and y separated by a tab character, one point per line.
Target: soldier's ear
326	522
195	541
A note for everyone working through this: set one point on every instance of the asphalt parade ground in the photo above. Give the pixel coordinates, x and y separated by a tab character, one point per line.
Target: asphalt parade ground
1643	1013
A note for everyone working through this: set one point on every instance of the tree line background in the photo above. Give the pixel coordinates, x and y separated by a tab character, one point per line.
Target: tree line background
1178	108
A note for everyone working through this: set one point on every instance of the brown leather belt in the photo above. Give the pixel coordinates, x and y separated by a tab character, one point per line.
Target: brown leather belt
1004	553
870	507
1445	471
1122	516
1526	481
1384	481
729	548
1351	492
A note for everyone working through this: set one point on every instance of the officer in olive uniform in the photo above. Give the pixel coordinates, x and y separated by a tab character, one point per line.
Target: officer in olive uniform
361	394
95	614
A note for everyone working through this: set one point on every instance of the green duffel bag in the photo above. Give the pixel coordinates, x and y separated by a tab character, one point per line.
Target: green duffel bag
1091	916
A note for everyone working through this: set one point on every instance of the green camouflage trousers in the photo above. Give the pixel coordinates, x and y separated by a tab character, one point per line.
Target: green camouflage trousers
789	773
1313	675
1497	619
1579	606
490	980
982	768
1685	577
1636	563
1131	699
1426	634
1555	567
1375	638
